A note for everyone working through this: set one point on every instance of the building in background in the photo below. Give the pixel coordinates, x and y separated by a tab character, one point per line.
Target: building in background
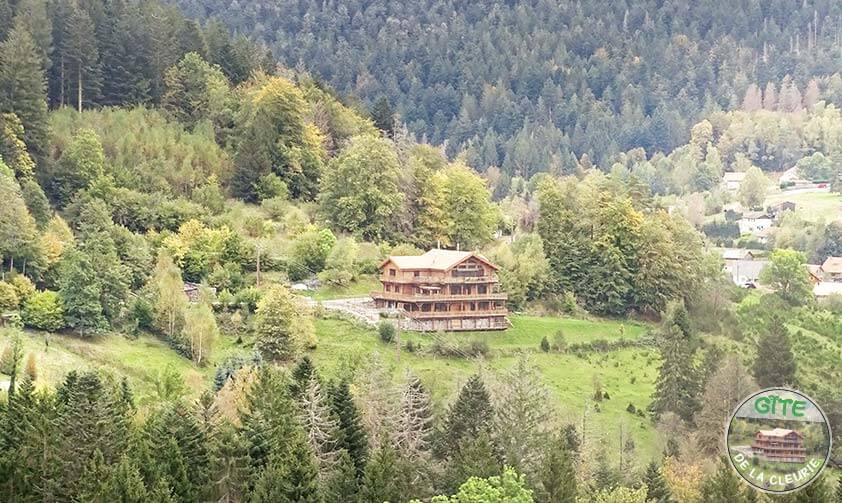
779	445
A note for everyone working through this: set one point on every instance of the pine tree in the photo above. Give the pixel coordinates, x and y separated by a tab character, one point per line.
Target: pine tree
301	374
380	482
723	486
341	483
467	418
523	418
125	484
676	386
230	470
268	421
656	487
352	434
291	476
476	457
80	57
383	116
558	475
775	362
23	88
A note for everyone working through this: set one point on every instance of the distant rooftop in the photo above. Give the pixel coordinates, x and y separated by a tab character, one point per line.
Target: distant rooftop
734	176
827	288
833	265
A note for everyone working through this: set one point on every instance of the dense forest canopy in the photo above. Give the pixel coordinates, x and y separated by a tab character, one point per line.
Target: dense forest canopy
526	85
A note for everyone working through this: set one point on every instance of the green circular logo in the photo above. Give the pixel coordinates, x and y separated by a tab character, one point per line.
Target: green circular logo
778	440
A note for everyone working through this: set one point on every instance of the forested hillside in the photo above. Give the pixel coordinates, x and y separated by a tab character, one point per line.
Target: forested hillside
526	85
189	229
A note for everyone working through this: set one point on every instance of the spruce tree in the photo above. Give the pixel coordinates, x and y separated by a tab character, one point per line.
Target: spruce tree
352	436
290	476
476	457
380	482
656	487
723	486
341	483
468	417
775	361
558	475
321	428
80	57
229	464
301	377
125	484
676	387
23	88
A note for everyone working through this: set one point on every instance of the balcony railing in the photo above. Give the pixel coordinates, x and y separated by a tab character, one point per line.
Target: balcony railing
422	315
417	297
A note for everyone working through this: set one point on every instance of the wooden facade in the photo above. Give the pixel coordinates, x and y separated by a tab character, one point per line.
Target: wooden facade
780	445
443	290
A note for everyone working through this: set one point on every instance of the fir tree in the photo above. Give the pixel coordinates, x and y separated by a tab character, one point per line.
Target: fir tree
656	487
80	57
415	419
383	116
380	482
352	434
23	88
476	457
301	377
468	417
558	475
230	467
676	387
341	483
723	486
290	476
125	484
775	361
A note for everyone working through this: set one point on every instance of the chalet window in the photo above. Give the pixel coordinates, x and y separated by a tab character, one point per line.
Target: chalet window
416	274
391	272
482	289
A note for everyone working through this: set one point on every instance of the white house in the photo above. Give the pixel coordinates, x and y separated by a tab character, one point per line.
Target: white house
745	273
733	180
754	222
826	289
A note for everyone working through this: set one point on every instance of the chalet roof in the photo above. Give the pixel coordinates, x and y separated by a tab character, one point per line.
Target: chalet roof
832	265
436	260
737	254
778	432
734	176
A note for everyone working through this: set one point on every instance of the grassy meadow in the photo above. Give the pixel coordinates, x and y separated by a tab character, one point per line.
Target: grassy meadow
812	206
627	375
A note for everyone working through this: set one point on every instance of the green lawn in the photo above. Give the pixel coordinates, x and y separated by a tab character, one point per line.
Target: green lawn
626	375
363	286
812	205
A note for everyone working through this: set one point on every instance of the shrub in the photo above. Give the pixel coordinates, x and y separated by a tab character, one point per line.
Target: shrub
44	311
31	369
386	331
545	344
631	409
23	286
9	300
559	344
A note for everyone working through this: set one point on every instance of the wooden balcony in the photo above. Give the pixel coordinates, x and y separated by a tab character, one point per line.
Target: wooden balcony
427	315
410	297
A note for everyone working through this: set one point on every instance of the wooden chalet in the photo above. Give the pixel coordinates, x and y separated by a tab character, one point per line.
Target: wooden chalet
443	290
780	445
